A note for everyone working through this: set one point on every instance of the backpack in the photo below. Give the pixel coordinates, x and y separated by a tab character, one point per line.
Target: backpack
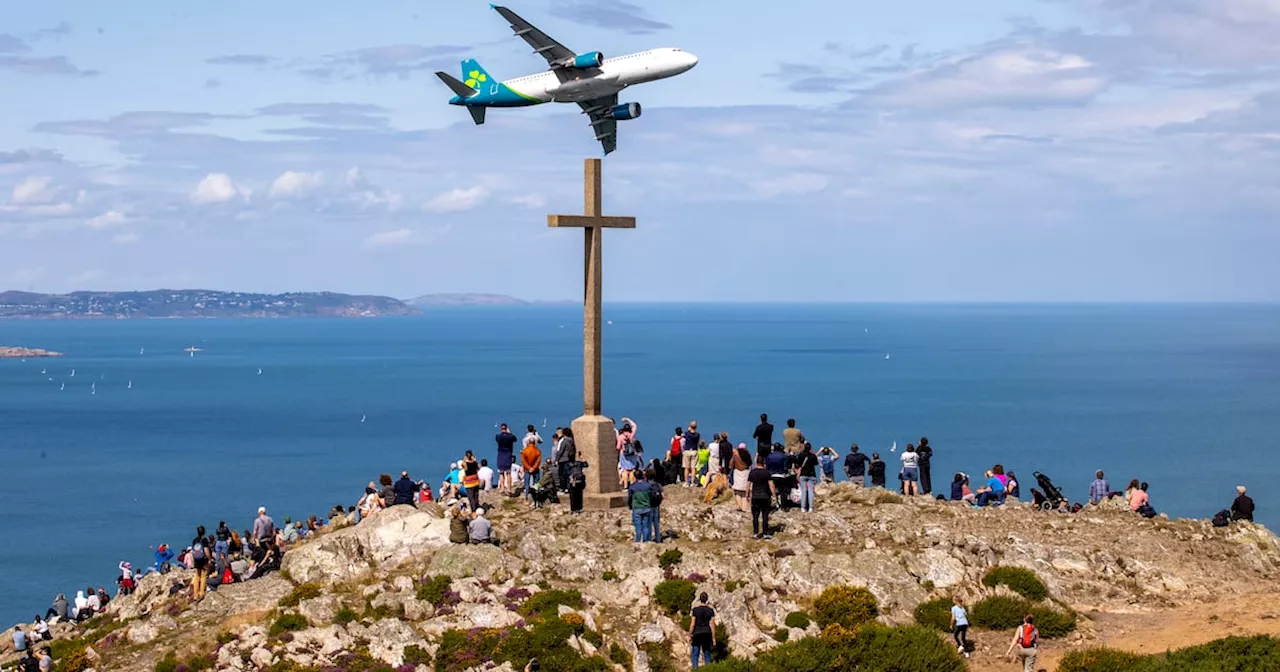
1222	518
1027	636
577	478
629	448
197	551
675	447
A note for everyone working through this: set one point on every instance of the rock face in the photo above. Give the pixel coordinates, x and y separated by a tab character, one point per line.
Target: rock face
392	537
904	551
10	352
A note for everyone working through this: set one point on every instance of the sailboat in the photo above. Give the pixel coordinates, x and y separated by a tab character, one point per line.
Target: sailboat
886	356
894	447
142	350
259	371
130	387
43	372
73	373
64	386
363	417
93	388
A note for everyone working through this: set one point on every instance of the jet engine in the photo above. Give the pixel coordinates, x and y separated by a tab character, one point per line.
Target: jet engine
626	111
590	60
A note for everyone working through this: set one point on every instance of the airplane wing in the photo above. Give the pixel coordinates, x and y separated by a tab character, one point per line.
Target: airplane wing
555	53
600	110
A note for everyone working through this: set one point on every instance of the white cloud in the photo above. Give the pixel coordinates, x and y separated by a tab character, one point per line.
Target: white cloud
391	238
106	219
796	183
125	238
32	191
531	200
217	188
292	184
1020	76
457	199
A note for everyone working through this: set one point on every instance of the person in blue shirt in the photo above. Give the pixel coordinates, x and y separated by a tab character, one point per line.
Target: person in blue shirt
993	492
960	626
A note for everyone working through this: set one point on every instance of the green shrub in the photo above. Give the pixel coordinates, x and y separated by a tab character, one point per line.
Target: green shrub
595	638
675	596
1021	581
670	558
345	615
659	654
416	655
303	591
999	612
288	623
619	655
1258	653
732	585
848	606
167	664
935	613
433	589
872	648
199	664
609	575
1053	623
797	619
225	637
546	640
546	603
781	634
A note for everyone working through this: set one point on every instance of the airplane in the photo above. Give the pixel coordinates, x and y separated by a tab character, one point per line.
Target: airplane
590	80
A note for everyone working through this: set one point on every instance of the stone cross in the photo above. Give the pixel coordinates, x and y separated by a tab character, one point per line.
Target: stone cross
593	433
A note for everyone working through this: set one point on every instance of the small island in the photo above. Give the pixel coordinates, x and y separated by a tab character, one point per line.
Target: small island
13	352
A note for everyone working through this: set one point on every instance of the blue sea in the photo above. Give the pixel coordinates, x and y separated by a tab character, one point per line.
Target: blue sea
1184	397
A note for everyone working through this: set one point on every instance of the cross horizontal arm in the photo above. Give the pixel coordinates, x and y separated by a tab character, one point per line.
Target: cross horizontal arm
581	221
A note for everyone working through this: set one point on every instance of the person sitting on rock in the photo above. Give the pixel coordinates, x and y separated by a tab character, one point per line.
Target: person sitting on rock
1242	507
58	609
480	529
459	519
992	493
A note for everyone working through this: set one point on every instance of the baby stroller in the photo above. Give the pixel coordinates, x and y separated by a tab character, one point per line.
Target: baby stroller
1051	497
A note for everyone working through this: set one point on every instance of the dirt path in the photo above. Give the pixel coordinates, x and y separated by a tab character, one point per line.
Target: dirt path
1257	614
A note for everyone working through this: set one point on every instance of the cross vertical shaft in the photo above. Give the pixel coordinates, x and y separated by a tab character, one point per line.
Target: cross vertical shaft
592	303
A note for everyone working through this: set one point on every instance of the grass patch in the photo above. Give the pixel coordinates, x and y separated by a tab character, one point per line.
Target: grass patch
288	623
303	591
547	603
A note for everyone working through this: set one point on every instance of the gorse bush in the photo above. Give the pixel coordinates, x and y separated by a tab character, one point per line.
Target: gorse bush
1053	623
872	648
675	596
547	640
304	591
999	612
1021	581
1233	654
670	558
547	603
797	619
847	606
935	613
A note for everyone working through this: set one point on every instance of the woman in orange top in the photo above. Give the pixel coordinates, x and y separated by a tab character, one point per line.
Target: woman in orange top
531	460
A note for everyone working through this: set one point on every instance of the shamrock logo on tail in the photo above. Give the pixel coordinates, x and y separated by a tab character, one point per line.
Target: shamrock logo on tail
475	78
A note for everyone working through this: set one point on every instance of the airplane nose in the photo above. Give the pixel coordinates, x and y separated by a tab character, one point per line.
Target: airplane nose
690	60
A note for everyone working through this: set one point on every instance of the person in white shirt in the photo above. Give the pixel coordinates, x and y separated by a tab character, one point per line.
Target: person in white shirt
486	475
910	471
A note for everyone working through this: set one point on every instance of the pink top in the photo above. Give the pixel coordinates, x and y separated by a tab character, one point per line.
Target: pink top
623	437
1137	498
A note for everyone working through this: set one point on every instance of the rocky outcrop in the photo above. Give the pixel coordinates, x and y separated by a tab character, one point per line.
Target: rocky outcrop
10	352
372	598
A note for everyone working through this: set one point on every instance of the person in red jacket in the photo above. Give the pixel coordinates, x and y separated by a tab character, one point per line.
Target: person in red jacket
531	461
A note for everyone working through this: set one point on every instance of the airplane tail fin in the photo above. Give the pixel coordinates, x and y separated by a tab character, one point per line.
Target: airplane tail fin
475	77
477	113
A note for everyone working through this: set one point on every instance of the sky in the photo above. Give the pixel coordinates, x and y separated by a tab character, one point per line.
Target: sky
822	150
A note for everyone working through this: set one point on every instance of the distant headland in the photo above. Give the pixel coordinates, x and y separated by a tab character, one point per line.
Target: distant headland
10	352
436	300
196	303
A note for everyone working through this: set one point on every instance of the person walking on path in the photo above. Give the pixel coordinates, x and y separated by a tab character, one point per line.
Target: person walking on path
925	451
807	473
506	456
1025	639
702	632
960	626
760	482
264	528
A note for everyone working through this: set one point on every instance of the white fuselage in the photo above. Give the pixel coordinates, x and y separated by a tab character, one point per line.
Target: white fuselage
615	75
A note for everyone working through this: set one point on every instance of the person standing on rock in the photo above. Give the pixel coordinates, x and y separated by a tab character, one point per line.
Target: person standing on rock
471	479
740	464
760	482
506	456
1025	639
925	451
655	500
763	435
640	501
566	454
855	465
876	471
222	547
827	457
531	462
264	527
910	471
702	631
806	466
692	444
960	625
792	438
200	562
577	484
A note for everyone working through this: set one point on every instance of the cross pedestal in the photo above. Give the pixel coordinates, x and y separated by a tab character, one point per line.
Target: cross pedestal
593	432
